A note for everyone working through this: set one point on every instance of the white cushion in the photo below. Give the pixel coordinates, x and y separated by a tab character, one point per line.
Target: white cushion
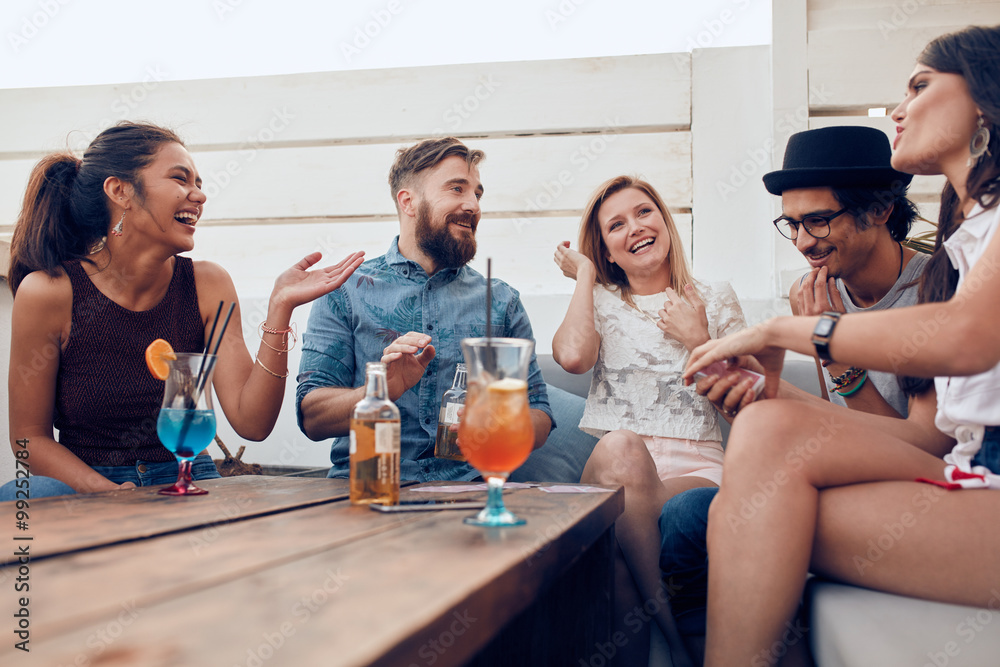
856	627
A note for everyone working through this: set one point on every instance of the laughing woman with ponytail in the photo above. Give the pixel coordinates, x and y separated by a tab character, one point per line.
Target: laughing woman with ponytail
97	274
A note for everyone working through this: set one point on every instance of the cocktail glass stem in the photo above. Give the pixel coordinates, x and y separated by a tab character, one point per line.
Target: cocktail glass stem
183	486
495	514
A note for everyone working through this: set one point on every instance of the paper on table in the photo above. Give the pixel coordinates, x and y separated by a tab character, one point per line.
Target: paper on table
575	489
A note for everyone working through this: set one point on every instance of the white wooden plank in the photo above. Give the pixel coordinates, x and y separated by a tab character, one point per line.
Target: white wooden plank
13	182
860	68
528	175
888	17
732	237
494	99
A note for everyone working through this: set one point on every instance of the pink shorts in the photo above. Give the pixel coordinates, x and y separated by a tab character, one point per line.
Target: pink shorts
676	457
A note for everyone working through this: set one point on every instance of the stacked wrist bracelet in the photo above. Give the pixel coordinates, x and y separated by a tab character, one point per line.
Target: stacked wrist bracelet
286	334
847	378
290	331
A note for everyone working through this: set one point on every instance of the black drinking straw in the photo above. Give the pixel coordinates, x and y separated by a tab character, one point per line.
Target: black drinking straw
489	297
490	367
211	332
222	332
202	374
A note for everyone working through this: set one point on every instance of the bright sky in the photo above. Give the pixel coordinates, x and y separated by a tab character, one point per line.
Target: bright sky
75	42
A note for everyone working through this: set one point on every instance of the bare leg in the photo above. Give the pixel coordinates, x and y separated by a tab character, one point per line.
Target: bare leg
764	520
621	457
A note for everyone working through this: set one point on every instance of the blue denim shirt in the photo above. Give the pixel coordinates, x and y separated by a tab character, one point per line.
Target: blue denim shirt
384	299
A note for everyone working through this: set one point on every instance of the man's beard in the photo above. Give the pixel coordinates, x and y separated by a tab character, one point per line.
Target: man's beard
447	250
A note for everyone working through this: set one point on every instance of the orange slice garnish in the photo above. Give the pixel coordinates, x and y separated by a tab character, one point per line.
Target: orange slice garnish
158	354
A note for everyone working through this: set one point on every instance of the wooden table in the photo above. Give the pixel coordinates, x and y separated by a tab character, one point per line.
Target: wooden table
284	571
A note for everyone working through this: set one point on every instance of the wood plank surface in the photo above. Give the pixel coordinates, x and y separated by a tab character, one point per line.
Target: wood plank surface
107	580
361	107
521	176
426	586
69	523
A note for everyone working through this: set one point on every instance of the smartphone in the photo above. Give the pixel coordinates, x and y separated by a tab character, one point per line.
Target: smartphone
721	368
429	505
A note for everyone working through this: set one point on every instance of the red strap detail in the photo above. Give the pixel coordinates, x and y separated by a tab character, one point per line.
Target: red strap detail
944	485
958	474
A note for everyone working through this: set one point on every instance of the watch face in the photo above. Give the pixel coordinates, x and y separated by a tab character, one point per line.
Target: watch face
824	327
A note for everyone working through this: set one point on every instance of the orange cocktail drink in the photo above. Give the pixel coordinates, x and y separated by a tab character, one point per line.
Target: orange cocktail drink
496	435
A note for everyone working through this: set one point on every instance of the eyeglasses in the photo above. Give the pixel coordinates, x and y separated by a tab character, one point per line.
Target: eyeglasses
816	226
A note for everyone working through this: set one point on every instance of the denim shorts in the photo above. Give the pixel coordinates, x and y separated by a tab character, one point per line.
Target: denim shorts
140	474
144	473
989	453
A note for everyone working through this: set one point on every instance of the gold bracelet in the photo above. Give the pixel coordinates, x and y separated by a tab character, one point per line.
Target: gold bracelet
280	377
290	331
279	350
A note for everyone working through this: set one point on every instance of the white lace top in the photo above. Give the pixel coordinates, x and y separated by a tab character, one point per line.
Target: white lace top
637	381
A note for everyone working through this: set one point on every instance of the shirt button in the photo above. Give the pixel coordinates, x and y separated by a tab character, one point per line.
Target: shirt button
427	420
430	327
142	467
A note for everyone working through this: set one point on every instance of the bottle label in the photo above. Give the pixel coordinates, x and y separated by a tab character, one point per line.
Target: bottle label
387	437
354	443
451	413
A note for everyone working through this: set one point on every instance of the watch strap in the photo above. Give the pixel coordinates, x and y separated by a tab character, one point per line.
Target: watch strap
822	334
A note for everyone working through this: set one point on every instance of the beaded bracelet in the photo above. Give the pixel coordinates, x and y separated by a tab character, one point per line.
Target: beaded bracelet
280	377
845	379
290	331
845	394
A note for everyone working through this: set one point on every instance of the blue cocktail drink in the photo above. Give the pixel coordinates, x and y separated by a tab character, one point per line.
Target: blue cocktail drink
186	424
200	431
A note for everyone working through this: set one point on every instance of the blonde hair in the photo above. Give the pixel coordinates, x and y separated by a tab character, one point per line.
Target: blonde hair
592	245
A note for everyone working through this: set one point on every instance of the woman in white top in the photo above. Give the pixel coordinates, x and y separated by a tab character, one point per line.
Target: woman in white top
634	317
837	479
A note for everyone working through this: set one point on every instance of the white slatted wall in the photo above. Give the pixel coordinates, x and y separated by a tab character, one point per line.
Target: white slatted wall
297	163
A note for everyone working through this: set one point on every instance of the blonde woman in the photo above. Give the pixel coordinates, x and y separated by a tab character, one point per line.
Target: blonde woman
635	315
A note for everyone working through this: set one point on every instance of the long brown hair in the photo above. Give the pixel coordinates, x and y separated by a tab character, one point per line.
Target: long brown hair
592	244
974	54
66	213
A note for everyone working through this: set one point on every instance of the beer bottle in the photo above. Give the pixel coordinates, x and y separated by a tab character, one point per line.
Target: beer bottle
446	443
374	450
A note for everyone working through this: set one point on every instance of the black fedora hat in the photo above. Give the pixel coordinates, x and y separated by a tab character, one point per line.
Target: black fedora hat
836	157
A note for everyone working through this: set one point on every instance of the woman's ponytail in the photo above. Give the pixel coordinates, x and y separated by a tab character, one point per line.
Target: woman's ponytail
45	234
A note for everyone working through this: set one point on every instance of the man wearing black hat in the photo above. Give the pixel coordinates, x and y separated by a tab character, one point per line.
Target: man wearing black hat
846	210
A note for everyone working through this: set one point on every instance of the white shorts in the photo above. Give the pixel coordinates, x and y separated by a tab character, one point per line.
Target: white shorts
677	457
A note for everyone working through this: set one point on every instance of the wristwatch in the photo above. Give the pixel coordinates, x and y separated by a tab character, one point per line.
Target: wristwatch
823	332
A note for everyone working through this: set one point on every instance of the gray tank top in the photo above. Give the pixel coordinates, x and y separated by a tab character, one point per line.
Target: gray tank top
902	294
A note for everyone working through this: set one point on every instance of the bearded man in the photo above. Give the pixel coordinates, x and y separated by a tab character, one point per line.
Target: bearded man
410	308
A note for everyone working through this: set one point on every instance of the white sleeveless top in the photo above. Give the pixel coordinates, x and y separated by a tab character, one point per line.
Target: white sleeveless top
966	405
637	381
